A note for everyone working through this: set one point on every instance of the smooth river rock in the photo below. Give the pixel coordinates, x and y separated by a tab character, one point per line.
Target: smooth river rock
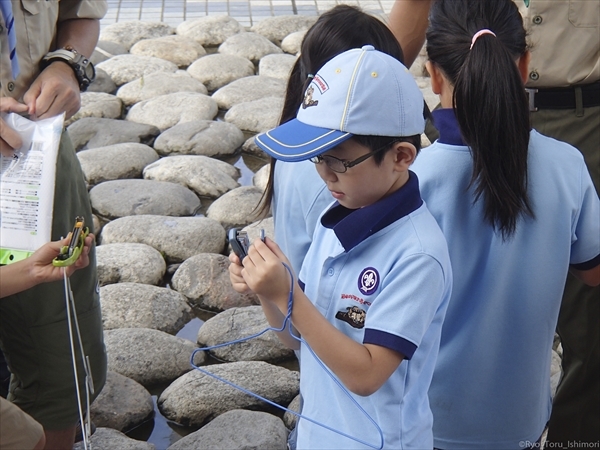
177	238
217	70
129	32
119	198
278	27
136	305
209	30
109	439
251	46
200	137
157	84
166	111
240	323
123	404
197	398
180	50
206	176
125	68
256	116
277	66
236	208
98	164
91	132
254	430
204	280
149	356
97	104
248	89
136	263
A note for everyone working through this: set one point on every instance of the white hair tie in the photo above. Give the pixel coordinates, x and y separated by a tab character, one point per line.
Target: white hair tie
480	33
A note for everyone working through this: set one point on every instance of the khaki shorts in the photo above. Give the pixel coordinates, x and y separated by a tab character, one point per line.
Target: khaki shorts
33	324
18	431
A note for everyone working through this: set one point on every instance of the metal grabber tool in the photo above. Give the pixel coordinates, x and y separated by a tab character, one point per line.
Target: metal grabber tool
68	255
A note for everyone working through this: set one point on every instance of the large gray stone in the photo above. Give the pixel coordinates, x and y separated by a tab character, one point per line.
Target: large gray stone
290	419
136	305
251	46
209	30
128	33
254	228
135	263
207	177
277	66
166	111
261	177
157	84
251	148
292	43
119	198
236	208
177	238
123	404
217	70
98	164
196	398
109	439
248	89
278	27
91	132
256	116
200	137
239	323
254	430
97	104
105	50
102	83
204	280
180	50
125	68
149	356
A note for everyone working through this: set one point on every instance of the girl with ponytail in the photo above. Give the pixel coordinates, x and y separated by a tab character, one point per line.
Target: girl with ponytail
518	209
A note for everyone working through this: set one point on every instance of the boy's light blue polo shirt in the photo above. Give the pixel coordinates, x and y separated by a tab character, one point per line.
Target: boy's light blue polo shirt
300	197
381	275
491	386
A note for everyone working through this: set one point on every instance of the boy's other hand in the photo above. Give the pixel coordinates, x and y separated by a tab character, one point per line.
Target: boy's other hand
264	272
9	138
235	274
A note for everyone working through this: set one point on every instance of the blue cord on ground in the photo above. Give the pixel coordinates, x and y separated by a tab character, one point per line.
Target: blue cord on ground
287	323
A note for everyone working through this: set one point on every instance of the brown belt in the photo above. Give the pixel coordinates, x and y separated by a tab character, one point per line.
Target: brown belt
564	98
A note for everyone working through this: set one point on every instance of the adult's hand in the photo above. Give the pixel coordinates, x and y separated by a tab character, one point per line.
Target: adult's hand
9	138
54	91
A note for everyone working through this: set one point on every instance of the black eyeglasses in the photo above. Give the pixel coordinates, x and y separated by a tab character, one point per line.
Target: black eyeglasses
338	165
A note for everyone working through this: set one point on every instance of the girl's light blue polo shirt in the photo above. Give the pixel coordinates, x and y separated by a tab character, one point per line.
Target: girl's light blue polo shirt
300	197
381	275
491	386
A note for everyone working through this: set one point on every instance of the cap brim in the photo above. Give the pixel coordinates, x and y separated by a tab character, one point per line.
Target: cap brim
296	141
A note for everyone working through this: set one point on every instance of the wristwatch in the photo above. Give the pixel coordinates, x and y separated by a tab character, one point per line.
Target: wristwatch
82	66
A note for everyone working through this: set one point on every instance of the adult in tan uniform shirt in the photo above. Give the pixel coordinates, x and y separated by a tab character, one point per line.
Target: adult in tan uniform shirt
564	37
33	326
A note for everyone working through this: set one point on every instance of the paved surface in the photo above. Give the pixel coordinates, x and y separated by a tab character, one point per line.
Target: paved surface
246	12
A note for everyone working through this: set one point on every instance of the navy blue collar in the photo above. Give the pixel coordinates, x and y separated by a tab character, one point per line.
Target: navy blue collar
352	226
445	121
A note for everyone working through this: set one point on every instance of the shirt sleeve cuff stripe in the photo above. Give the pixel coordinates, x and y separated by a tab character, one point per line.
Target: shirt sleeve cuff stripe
390	341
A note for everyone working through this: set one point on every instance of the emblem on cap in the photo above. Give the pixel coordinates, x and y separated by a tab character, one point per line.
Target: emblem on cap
368	280
308	100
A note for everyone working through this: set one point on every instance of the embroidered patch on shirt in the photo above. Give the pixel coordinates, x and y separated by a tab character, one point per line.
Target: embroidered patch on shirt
368	280
353	315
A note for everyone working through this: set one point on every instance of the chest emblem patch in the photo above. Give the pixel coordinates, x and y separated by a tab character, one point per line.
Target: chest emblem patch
368	280
353	315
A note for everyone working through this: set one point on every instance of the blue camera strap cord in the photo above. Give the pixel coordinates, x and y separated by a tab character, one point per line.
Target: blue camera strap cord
287	323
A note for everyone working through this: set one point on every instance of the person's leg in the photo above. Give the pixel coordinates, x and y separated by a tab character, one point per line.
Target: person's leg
576	412
34	331
18	431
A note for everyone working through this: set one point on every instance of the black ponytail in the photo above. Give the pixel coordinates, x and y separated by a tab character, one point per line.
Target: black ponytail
489	99
341	28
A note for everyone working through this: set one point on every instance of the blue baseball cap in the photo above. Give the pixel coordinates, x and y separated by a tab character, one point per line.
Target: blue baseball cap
361	91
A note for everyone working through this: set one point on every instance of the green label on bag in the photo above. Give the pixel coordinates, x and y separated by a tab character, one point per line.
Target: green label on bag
9	256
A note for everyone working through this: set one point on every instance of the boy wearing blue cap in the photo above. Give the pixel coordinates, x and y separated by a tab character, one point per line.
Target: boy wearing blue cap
376	279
